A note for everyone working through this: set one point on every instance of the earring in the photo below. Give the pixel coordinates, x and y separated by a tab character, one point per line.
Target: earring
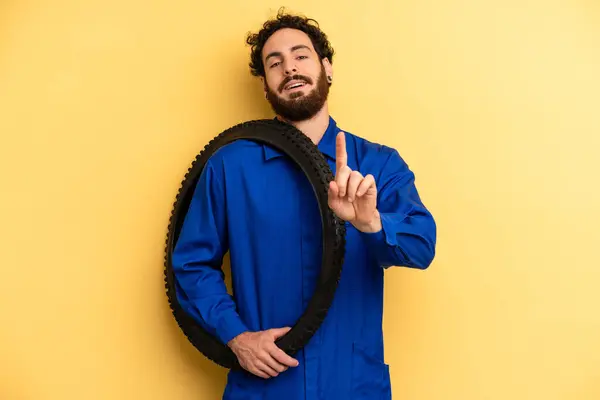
329	78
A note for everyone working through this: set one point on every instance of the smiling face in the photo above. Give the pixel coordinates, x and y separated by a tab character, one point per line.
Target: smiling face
295	78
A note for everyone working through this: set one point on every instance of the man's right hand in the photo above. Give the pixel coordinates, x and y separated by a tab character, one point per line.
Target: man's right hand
258	353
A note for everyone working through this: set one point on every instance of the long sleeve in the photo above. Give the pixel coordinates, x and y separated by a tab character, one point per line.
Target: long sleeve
408	236
198	256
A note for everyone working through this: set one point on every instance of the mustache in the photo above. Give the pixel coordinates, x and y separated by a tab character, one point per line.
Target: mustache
287	80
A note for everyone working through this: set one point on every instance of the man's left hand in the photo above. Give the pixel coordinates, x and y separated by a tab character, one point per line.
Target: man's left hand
351	196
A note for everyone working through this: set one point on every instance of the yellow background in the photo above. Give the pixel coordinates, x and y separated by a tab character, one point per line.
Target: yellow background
494	105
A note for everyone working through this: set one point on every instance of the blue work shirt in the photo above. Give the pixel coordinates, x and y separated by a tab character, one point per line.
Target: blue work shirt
256	203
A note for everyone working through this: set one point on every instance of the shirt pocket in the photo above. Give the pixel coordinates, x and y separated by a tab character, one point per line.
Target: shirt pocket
370	376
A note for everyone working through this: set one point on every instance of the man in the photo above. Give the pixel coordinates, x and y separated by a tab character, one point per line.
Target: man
256	203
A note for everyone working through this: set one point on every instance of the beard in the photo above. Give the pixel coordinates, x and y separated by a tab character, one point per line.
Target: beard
300	107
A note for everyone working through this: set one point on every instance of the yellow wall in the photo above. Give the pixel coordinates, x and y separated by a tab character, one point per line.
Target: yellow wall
494	104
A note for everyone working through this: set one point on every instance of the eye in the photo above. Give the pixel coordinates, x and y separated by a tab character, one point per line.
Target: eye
302	57
275	64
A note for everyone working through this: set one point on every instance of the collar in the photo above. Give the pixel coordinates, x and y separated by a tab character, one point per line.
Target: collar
326	144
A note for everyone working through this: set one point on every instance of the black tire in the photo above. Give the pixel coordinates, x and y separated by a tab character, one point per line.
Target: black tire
306	155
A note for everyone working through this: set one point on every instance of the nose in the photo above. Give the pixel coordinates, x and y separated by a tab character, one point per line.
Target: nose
290	68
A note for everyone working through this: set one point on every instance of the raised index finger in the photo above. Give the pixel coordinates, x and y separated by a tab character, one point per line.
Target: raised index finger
341	157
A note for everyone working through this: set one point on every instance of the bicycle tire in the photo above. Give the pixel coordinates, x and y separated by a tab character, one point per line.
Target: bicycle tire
293	143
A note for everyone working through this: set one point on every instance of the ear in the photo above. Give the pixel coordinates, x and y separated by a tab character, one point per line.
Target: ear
328	67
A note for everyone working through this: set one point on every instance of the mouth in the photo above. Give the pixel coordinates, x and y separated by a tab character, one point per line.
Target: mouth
294	85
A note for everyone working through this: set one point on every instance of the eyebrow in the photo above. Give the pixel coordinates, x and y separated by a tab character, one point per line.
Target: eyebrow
278	53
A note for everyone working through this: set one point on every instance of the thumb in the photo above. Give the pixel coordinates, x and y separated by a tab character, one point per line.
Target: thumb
334	190
278	332
333	195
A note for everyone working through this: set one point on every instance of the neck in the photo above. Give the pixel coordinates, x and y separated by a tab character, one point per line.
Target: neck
314	127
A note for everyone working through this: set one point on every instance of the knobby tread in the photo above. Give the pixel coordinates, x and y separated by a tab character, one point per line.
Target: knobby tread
307	156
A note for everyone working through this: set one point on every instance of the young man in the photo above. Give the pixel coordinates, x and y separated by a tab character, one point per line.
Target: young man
254	202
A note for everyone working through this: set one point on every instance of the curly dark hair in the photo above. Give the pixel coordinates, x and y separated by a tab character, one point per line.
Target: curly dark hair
284	20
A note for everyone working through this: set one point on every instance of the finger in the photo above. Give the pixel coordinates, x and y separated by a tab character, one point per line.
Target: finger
341	157
279	332
264	368
333	199
366	184
272	363
279	355
282	357
332	195
355	180
257	370
341	178
333	188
